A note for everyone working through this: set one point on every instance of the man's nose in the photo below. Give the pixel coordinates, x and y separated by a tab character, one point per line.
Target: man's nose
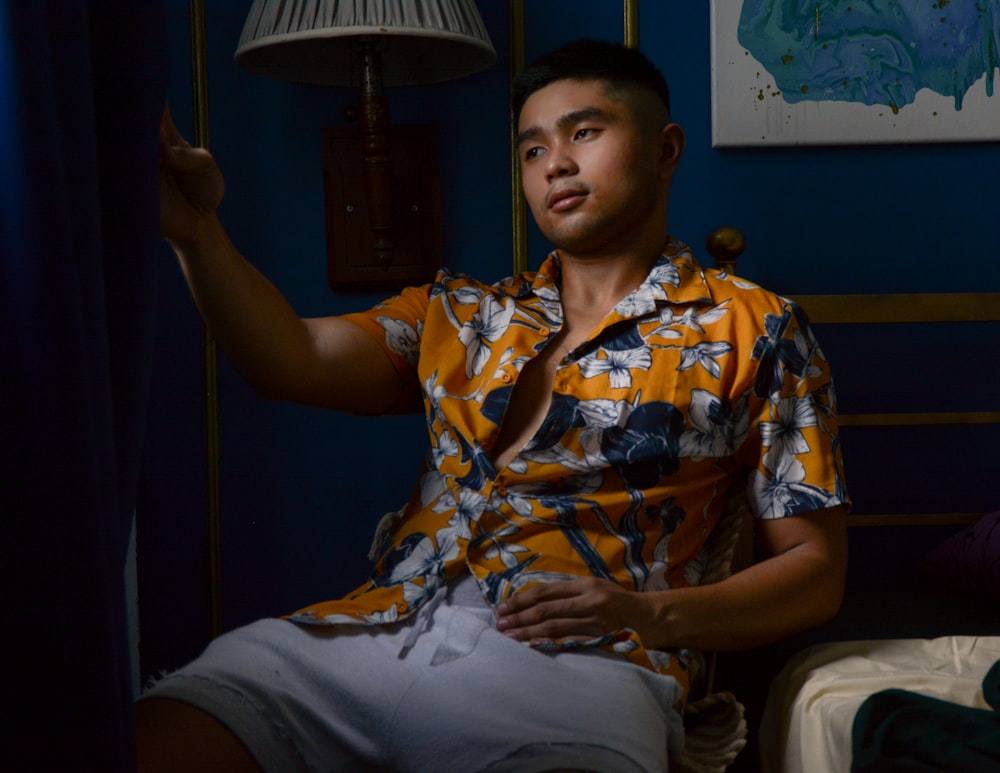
561	164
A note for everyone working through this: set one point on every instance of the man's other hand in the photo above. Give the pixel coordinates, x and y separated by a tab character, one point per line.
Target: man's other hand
572	610
191	186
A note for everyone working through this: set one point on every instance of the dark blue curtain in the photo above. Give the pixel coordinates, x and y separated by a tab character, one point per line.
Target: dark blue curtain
82	86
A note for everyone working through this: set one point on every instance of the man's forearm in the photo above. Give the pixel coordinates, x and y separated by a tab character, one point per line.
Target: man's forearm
798	588
254	325
761	604
326	362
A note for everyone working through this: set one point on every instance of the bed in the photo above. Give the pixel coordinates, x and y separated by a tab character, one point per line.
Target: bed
922	612
884	704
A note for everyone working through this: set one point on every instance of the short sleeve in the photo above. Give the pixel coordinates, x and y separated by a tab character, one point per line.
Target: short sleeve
397	326
793	450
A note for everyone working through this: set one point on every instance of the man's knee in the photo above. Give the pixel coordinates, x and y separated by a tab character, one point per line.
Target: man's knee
172	735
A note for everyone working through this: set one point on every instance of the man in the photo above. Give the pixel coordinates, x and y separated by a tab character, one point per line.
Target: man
531	607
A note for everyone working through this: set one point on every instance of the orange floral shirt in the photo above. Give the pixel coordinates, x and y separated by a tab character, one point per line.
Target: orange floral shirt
692	378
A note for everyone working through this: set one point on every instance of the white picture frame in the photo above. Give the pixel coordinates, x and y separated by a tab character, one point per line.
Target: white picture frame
749	104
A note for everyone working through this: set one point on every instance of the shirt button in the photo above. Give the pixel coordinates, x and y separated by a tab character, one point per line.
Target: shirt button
544	332
501	490
506	378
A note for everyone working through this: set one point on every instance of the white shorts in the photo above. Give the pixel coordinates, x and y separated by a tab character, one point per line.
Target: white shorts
464	698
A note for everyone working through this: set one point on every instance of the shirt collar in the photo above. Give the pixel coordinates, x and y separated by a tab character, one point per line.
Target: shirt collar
675	278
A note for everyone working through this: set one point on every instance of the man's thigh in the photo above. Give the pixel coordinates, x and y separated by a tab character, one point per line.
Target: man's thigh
464	698
299	698
486	702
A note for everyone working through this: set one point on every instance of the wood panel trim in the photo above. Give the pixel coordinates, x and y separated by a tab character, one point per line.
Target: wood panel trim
913	519
901	308
917	419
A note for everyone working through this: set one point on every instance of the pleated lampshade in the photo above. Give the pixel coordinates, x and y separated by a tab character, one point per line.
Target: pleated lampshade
310	41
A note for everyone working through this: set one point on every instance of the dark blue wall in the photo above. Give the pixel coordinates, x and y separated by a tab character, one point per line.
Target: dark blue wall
302	489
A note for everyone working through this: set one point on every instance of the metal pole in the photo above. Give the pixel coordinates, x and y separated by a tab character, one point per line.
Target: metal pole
199	88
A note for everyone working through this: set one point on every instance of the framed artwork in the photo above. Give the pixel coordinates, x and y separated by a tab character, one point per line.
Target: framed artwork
800	72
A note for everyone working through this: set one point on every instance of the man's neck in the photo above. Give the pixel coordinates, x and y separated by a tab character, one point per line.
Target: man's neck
601	281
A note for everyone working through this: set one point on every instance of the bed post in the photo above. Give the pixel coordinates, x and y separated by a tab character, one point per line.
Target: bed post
725	245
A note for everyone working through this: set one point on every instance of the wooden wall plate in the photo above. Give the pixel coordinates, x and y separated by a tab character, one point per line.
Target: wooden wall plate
416	210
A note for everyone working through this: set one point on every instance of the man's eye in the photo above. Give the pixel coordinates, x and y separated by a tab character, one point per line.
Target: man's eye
582	134
532	153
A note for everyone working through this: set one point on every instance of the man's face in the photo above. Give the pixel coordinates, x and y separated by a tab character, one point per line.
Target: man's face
593	167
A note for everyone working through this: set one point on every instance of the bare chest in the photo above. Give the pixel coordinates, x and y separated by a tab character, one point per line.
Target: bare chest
532	393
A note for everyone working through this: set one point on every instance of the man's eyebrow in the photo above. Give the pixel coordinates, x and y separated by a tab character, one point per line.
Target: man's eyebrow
564	122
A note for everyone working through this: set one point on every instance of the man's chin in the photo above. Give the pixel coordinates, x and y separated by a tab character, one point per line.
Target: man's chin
572	239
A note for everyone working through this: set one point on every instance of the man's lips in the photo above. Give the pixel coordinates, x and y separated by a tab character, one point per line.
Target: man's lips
566	198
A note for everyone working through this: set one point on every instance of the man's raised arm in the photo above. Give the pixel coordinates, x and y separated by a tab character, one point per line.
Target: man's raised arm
326	362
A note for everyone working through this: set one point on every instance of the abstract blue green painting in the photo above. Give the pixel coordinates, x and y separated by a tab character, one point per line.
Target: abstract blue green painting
790	72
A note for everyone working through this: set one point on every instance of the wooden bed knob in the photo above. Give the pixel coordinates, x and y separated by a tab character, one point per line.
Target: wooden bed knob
725	245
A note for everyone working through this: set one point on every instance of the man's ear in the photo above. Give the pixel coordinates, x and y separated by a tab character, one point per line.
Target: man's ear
672	141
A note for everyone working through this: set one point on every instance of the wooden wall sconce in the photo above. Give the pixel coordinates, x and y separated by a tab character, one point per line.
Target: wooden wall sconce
382	189
384	234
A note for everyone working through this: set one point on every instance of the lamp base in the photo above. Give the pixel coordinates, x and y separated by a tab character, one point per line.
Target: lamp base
416	235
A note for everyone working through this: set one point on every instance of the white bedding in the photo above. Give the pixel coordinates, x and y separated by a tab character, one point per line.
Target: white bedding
812	703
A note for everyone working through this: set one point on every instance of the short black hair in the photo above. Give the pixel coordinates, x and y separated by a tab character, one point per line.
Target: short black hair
602	60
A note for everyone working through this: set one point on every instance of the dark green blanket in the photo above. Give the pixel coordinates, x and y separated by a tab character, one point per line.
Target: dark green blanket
897	731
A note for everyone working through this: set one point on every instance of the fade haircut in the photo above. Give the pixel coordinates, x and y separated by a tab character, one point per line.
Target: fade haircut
585	60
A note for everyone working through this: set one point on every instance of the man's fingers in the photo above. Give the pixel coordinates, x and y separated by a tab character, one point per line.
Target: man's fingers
169	135
194	161
555	628
549	620
565	611
537	594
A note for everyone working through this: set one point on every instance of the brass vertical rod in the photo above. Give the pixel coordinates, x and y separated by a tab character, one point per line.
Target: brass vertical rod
517	56
632	23
518	211
210	377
